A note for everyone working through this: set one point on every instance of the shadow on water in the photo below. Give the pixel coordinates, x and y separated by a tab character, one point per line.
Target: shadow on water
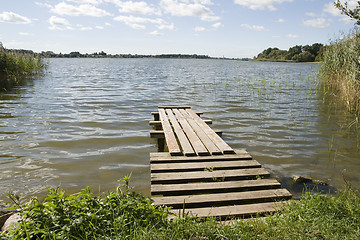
10	85
297	188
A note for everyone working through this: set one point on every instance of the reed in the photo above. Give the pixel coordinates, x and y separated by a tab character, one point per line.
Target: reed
340	70
15	66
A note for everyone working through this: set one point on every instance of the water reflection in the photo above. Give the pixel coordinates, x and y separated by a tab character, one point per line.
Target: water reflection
85	123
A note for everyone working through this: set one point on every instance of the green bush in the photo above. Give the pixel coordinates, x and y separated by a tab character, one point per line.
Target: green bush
84	216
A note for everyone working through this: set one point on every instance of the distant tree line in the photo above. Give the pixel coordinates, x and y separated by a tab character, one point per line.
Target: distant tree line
102	54
297	53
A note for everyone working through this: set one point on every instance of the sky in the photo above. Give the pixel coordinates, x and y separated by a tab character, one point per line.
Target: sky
218	28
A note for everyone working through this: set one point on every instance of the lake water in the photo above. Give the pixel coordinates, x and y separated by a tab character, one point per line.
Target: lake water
85	122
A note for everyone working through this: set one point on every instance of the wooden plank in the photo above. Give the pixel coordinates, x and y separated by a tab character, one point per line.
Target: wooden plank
157	133
197	144
156	115
221	199
213	149
222	145
207	121
174	107
188	188
221	175
227	212
171	141
184	141
164	157
217	165
158	123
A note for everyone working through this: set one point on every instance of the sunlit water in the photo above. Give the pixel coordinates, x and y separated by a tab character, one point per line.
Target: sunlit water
85	123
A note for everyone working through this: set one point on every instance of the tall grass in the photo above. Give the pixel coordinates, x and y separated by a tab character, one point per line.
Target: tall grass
340	70
14	66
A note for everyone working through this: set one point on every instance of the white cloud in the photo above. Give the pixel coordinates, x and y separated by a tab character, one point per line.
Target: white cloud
253	27
280	20
99	27
86	28
185	8
310	14
155	33
138	22
317	23
209	18
199	29
137	7
81	10
136	26
204	2
166	26
95	2
40	4
260	4
57	23
10	17
53	20
330	8
24	34
292	36
217	25
116	2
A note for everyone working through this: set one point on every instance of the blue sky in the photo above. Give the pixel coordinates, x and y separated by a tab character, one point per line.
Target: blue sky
230	28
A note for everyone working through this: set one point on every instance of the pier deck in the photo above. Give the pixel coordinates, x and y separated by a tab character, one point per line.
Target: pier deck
202	175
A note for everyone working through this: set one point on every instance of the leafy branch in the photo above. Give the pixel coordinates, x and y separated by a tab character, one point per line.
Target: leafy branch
352	13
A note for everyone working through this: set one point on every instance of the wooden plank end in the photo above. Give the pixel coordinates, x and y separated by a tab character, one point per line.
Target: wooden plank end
175	107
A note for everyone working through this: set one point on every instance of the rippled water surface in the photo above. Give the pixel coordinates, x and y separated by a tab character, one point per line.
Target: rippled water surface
85	123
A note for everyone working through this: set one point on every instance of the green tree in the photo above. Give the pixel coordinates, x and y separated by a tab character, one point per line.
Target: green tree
74	54
277	54
352	13
293	51
305	57
102	53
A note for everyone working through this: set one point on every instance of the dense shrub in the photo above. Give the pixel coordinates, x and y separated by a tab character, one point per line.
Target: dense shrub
84	216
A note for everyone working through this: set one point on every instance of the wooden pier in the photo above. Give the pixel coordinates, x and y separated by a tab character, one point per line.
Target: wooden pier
200	174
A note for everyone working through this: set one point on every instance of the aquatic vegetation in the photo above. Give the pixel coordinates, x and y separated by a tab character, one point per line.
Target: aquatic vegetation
340	70
18	64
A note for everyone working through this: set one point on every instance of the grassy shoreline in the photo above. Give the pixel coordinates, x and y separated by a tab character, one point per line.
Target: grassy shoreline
124	214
